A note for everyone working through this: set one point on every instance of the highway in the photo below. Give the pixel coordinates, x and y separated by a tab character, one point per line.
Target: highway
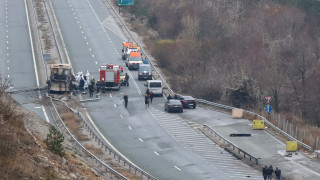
160	143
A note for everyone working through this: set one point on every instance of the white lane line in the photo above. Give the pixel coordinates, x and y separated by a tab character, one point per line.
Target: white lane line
177	168
140	139
121	116
92	55
8	75
130	127
45	114
84	37
8	68
156	153
115	105
87	43
31	42
94	12
80	27
96	62
89	48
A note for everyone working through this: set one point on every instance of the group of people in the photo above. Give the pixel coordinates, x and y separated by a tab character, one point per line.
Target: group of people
268	171
175	96
85	82
147	98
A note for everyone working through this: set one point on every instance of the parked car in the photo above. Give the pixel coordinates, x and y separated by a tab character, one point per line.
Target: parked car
155	86
173	105
187	101
144	72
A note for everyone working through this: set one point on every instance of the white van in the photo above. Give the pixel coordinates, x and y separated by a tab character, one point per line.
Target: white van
155	86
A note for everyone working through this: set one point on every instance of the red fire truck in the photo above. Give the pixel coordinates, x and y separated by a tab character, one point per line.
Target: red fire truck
109	77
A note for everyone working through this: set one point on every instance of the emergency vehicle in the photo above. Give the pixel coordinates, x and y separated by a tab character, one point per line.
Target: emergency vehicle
125	45
134	60
131	48
109	77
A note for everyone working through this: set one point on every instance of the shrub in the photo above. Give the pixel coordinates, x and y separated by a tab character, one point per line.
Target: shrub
54	142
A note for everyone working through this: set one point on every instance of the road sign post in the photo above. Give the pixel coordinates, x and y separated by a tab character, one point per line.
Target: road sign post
125	3
268	109
268	99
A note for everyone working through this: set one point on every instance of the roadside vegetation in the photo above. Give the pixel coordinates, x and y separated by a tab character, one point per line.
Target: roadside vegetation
236	52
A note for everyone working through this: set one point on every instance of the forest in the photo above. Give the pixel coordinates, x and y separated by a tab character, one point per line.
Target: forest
236	52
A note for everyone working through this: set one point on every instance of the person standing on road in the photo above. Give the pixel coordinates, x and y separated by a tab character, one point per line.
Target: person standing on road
125	97
269	172
127	79
145	61
264	172
169	97
151	96
91	89
146	100
81	84
148	92
278	173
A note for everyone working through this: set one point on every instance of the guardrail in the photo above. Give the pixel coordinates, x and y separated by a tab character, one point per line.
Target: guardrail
154	67
107	148
234	147
262	118
92	156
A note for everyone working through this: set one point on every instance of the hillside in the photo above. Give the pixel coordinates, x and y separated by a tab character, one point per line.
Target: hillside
23	153
236	52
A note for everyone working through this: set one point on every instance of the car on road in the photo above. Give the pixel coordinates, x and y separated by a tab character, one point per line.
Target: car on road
173	105
144	72
187	101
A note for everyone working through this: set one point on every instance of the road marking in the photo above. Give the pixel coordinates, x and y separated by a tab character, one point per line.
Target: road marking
8	68
110	95
140	139
31	42
121	116
115	105
45	114
89	48
92	55
87	43
38	107
177	168
156	153
94	12
78	22
8	75
130	128
84	37
76	17
80	27
97	63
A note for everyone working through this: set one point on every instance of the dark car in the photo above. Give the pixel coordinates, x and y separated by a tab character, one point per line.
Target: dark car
144	72
173	105
187	101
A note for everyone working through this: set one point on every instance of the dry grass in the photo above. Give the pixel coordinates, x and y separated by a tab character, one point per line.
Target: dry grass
93	150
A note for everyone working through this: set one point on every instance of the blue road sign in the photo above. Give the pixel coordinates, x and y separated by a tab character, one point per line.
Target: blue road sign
268	108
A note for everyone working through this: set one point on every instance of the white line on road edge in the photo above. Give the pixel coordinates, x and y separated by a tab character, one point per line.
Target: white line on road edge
177	168
31	42
121	116
130	127
156	153
115	105
109	144
94	12
34	60
45	114
140	139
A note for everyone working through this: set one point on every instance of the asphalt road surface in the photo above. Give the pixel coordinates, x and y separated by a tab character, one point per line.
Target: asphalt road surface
160	143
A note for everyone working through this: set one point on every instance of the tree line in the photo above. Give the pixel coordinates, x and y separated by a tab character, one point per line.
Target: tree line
236	52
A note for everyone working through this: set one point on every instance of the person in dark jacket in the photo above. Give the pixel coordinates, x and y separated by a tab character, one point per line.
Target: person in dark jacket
148	91
269	172
278	173
125	97
81	84
151	96
127	79
264	172
175	96
146	100
91	89
169	97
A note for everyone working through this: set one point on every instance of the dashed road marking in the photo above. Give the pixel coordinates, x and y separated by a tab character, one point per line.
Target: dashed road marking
177	168
115	105
140	139
121	116
130	127
156	153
